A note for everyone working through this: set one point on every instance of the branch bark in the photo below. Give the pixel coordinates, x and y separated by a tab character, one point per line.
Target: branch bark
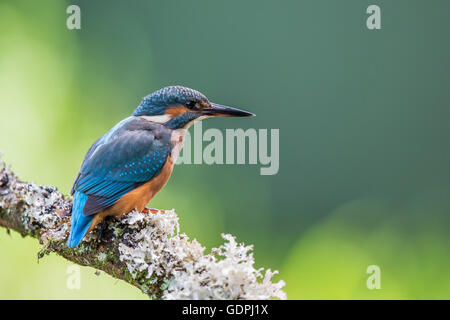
145	250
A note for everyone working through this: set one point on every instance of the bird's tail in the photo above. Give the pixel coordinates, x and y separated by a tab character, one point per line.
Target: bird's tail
79	222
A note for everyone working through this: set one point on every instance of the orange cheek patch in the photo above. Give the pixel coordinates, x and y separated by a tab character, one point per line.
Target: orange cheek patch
205	105
175	111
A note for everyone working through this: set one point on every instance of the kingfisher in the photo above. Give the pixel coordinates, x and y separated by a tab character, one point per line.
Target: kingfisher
125	168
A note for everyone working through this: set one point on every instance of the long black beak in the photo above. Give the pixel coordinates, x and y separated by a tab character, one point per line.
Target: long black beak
224	111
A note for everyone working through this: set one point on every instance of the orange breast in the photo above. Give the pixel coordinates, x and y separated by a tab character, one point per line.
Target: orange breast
137	198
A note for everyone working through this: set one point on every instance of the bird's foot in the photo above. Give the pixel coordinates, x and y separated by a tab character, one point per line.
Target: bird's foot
101	230
152	210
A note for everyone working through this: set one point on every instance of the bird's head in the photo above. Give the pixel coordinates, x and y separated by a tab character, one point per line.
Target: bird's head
178	107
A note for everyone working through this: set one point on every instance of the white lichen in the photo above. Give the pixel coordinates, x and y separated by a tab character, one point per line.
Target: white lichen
102	256
38	204
228	272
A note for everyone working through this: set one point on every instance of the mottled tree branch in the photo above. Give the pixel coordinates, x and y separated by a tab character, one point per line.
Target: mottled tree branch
145	250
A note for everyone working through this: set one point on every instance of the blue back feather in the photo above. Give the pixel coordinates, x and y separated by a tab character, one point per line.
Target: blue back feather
127	156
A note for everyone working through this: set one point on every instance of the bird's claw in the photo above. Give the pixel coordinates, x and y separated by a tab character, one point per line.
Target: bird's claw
152	210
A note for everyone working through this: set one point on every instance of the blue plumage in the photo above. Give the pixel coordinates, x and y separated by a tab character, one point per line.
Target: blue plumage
80	222
127	156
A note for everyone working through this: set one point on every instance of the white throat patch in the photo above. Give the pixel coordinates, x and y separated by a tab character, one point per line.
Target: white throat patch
163	118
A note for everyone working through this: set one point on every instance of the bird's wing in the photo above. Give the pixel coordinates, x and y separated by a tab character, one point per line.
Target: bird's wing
121	161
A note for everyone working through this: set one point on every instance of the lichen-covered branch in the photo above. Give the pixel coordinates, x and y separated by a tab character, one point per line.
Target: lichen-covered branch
145	250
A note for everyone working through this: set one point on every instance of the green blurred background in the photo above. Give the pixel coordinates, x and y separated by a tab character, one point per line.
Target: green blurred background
364	132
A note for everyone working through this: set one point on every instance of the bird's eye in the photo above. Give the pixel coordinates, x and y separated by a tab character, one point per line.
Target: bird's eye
191	104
